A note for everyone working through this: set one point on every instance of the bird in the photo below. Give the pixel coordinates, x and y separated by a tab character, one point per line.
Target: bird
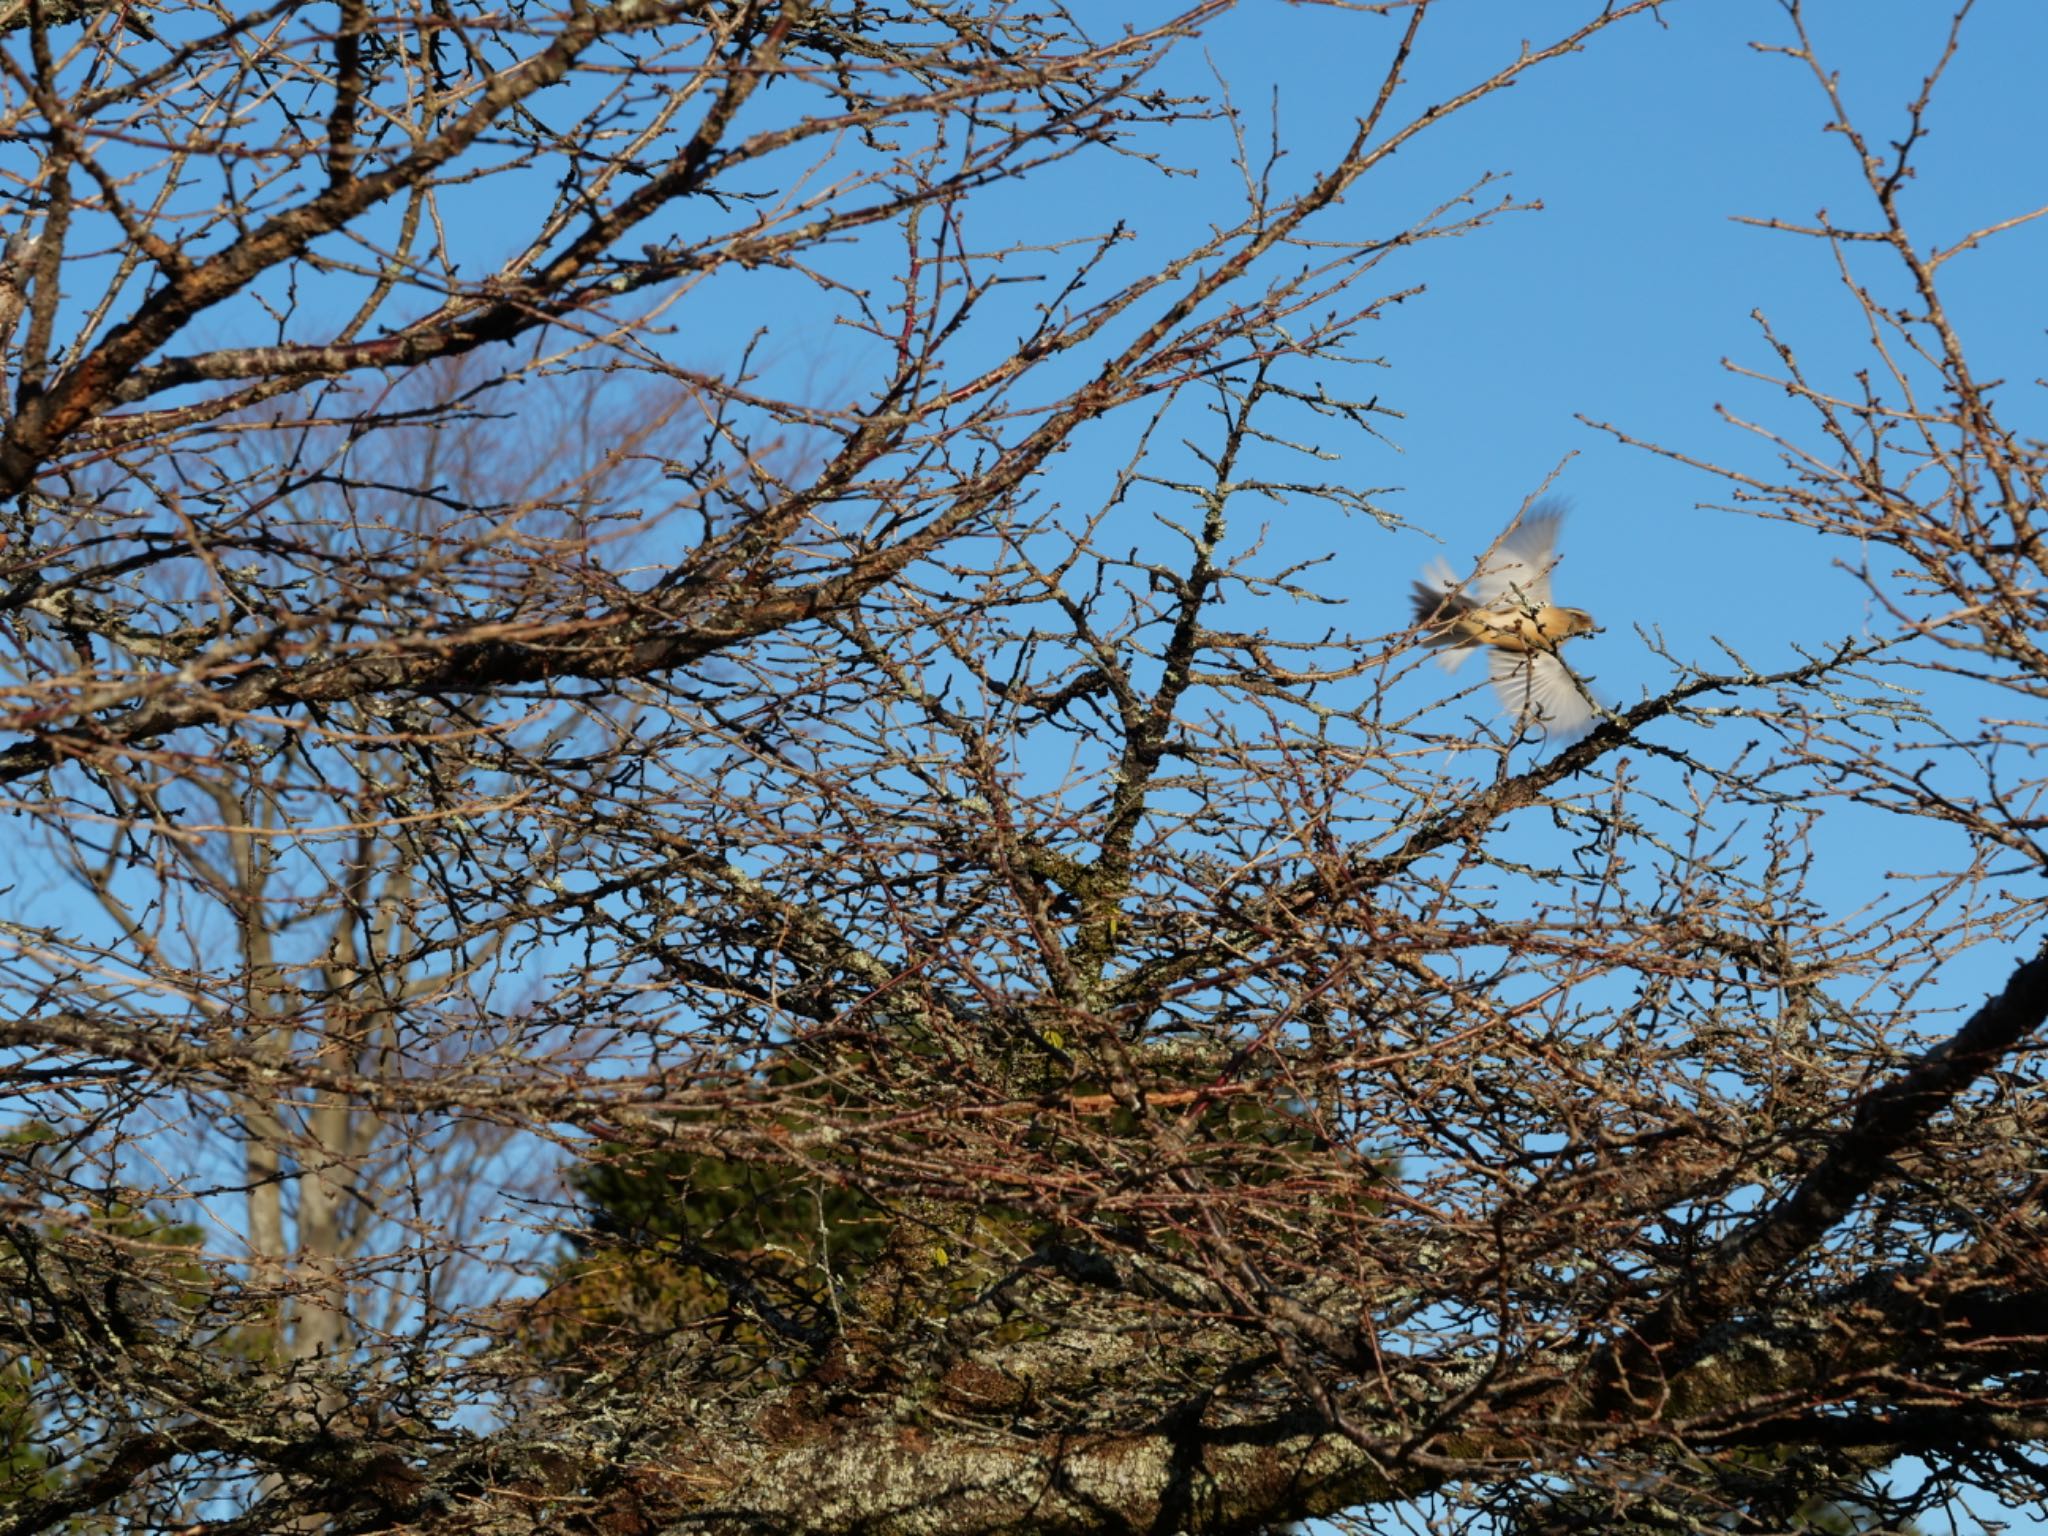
1506	610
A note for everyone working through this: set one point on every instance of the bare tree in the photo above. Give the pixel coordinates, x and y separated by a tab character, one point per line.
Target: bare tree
1046	1041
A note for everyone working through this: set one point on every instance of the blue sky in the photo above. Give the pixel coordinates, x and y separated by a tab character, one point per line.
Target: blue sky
1621	298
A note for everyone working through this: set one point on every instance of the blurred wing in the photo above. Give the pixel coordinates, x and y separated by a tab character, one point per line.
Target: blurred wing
1516	571
1439	576
1538	687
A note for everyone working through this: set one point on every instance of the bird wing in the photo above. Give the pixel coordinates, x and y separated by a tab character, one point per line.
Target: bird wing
1536	686
1516	571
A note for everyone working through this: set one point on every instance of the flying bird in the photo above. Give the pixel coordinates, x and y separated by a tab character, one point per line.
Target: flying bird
1506	609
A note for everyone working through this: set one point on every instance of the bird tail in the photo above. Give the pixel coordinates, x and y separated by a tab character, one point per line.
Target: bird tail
1435	608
